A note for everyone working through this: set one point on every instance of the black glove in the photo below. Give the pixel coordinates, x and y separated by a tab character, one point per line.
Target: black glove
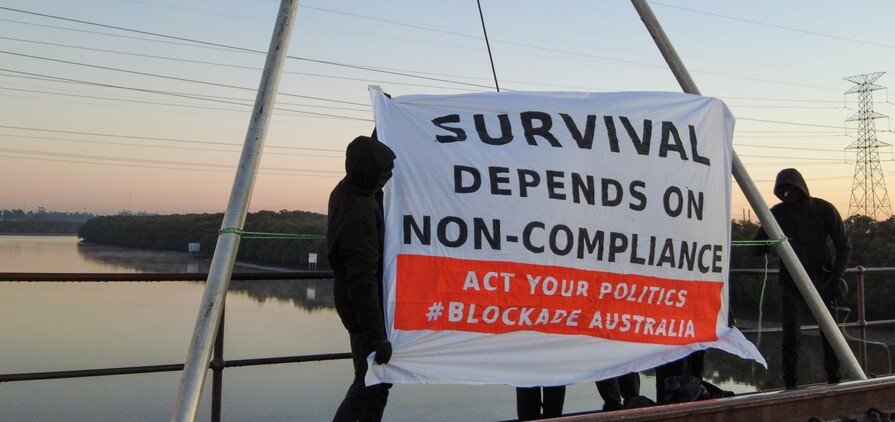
833	288
383	352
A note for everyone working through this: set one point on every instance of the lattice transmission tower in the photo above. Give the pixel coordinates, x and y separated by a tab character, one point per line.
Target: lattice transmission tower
868	192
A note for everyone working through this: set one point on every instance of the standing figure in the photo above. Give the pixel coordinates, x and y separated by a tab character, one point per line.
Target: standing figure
809	223
354	233
619	391
533	403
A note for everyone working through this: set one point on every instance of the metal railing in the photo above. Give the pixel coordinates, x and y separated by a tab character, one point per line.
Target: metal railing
218	363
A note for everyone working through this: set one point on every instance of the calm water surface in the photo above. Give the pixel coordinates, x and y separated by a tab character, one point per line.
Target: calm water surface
70	326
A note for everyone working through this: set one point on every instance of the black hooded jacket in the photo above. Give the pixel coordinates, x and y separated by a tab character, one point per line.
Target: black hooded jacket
355	233
809	223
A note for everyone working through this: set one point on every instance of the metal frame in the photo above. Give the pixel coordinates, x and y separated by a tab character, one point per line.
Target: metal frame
198	357
784	249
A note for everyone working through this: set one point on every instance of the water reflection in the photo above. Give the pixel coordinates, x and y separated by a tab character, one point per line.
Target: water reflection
315	296
304	294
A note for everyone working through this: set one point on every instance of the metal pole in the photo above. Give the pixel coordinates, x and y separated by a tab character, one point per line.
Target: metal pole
217	369
192	380
862	314
784	249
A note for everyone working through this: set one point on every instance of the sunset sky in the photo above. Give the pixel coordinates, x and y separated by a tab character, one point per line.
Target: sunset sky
110	105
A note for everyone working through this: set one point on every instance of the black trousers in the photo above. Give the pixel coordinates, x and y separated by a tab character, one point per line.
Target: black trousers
691	364
533	403
616	392
362	402
794	308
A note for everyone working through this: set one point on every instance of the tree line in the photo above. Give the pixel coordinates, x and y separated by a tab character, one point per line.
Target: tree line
873	246
42	221
873	242
176	232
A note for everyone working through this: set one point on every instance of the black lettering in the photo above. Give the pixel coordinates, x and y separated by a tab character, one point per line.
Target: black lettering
585	245
694	150
506	131
611	132
554	244
458	179
717	250
637	194
616	194
675	210
641	144
583	187
554	183
667	254
703	268
480	231
527	179
585	141
634	258
617	244
528	118
669	134
687	257
526	236
424	235
497	179
459	133
443	232
694	205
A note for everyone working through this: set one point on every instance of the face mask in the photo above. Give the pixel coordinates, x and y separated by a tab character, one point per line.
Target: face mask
793	196
384	177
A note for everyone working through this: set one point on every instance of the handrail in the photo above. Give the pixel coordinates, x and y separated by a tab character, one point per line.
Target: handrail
291	275
148	369
103	277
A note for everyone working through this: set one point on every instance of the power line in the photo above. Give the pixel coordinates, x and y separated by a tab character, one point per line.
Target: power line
159	139
786	28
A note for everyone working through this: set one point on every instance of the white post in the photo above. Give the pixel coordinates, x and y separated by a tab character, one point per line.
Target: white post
784	249
195	368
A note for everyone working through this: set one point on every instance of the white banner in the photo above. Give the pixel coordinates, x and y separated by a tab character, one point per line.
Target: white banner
554	238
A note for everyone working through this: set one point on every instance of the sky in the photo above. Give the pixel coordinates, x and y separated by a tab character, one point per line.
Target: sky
143	106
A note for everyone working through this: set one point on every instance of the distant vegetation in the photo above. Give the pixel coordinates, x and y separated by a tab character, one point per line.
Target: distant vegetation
873	245
41	222
175	232
873	242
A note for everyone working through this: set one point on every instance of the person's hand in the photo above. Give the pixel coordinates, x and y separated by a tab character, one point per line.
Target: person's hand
383	352
833	288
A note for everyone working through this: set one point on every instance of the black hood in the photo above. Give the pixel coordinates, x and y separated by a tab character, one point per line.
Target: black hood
366	159
790	177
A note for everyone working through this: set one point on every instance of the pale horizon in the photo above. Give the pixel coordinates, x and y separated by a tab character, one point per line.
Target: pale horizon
143	106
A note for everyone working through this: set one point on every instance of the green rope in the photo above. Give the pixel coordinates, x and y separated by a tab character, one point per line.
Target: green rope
263	235
768	242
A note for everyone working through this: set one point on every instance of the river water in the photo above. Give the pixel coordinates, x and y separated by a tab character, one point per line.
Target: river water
69	326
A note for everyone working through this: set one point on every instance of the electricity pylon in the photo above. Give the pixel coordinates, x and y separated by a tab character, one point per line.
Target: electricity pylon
868	193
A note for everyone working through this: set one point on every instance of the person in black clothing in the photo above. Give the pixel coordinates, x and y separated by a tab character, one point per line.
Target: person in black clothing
533	403
690	365
354	234
809	223
617	392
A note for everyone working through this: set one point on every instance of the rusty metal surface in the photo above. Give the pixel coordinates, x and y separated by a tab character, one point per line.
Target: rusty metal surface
847	401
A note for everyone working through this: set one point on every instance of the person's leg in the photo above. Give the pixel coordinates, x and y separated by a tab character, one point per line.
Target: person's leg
349	410
554	398
372	402
831	361
695	363
629	384
792	333
610	392
528	403
664	371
